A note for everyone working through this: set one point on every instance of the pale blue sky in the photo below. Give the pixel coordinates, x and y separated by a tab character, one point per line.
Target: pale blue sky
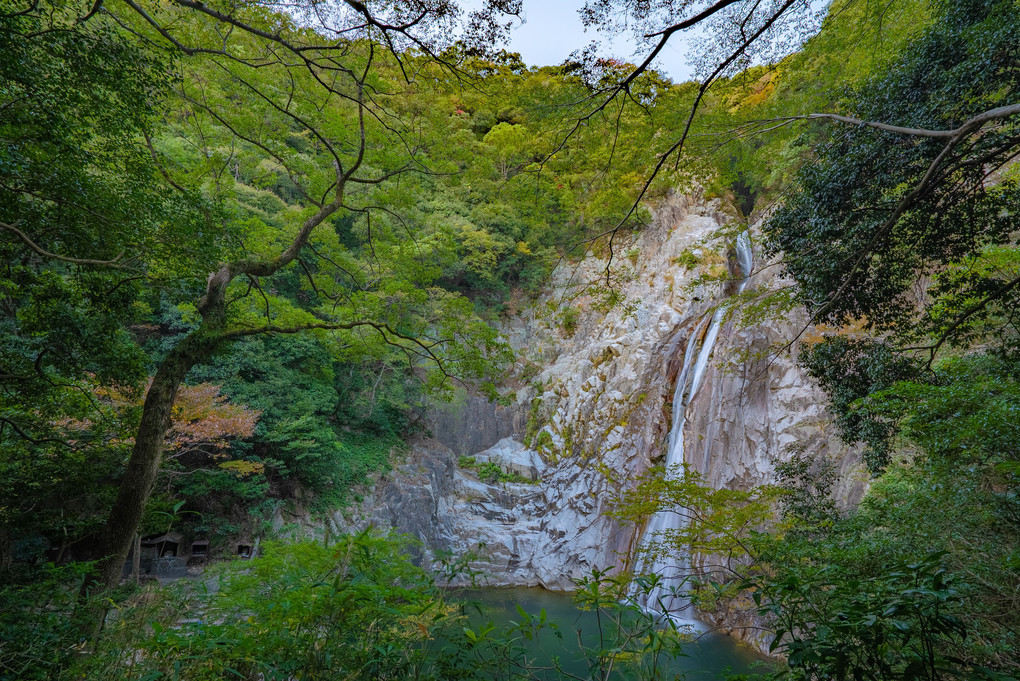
553	30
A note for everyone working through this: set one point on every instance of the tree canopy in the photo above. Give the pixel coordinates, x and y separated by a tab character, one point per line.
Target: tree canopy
245	244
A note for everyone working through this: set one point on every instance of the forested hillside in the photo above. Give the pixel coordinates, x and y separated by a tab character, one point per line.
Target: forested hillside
369	226
248	245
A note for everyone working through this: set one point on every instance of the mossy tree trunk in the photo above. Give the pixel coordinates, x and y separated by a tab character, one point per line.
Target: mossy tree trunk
147	453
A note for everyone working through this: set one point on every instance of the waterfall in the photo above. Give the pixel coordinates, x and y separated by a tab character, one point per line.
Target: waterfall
668	597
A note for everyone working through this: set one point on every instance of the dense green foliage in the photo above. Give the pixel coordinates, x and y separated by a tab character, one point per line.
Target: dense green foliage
355	609
921	581
76	179
852	369
756	153
166	163
135	167
352	608
864	224
303	261
904	244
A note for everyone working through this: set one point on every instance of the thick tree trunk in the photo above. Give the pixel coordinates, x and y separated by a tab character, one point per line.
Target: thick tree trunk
197	346
143	466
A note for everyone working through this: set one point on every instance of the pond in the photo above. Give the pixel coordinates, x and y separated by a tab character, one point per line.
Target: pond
708	657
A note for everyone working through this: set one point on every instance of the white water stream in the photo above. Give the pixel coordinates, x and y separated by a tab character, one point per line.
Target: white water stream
668	597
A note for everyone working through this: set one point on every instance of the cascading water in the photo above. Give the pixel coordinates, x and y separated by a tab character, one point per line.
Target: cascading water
668	596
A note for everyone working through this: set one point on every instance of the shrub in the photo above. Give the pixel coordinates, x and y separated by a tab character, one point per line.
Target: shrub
568	321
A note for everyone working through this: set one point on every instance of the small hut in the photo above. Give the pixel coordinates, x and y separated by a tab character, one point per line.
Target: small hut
163	546
199	552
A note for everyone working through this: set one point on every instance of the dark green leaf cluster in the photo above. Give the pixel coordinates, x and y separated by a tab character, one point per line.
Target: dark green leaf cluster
83	222
851	369
963	415
896	625
39	638
76	179
354	608
877	211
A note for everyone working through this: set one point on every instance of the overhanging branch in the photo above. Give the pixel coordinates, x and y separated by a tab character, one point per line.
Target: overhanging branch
13	229
387	332
970	125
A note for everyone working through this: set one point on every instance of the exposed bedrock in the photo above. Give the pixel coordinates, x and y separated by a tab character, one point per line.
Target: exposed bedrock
594	413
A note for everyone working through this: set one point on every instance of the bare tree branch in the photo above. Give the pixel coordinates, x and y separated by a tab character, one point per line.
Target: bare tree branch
4	421
677	147
969	125
115	263
385	330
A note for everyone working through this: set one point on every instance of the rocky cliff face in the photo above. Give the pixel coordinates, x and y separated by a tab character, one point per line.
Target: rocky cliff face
595	413
756	408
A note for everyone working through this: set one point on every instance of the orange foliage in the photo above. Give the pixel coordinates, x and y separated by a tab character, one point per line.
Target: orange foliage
818	333
203	417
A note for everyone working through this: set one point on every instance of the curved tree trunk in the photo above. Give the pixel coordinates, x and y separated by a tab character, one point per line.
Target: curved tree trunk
143	466
197	346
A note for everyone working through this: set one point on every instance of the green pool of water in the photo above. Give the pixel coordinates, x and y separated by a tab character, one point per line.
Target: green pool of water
708	657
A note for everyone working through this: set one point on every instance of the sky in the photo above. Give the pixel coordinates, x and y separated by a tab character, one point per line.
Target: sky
552	30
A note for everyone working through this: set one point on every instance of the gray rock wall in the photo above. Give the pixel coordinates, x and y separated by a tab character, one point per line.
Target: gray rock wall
471	423
756	406
596	415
